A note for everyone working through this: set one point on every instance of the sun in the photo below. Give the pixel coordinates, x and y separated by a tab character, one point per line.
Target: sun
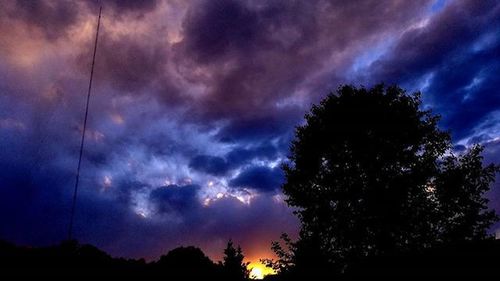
258	270
256	273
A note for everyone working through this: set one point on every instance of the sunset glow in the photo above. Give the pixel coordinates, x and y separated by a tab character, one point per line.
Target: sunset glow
258	270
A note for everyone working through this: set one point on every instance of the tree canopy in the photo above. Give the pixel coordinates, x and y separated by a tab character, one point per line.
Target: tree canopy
371	173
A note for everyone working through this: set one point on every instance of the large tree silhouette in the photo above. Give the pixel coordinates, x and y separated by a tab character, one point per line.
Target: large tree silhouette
371	173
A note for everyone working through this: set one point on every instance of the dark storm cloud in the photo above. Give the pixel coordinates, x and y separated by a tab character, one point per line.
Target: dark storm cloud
216	28
255	57
175	198
122	9
128	63
243	155
261	178
465	93
238	157
268	126
213	165
126	5
459	50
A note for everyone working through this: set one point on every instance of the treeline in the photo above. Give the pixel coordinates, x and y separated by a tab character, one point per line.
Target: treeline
73	259
465	259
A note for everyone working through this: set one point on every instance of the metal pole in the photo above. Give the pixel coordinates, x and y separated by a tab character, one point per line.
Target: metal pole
77	180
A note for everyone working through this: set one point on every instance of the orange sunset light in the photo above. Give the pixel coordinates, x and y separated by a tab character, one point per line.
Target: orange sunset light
258	270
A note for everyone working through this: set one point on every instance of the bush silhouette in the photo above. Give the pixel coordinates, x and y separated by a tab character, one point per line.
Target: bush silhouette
66	259
185	262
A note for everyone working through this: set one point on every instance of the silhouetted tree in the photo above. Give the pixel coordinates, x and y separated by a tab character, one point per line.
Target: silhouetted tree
371	173
300	260
234	267
185	263
285	253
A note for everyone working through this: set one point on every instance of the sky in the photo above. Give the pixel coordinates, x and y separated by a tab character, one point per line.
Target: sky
194	104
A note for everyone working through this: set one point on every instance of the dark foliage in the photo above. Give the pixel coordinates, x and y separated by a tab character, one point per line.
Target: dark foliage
185	263
472	259
66	259
72	259
371	174
233	266
300	260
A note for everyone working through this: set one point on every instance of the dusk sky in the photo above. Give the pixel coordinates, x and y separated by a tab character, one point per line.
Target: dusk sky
194	104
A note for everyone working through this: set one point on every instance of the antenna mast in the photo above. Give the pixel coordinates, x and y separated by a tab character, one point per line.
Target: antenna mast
77	180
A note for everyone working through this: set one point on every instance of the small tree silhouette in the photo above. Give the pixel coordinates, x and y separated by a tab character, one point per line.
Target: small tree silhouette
233	266
285	252
370	174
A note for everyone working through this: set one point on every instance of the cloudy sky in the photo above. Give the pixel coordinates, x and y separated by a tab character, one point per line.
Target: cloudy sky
194	104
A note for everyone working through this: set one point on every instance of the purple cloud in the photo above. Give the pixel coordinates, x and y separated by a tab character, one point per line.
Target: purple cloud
260	178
